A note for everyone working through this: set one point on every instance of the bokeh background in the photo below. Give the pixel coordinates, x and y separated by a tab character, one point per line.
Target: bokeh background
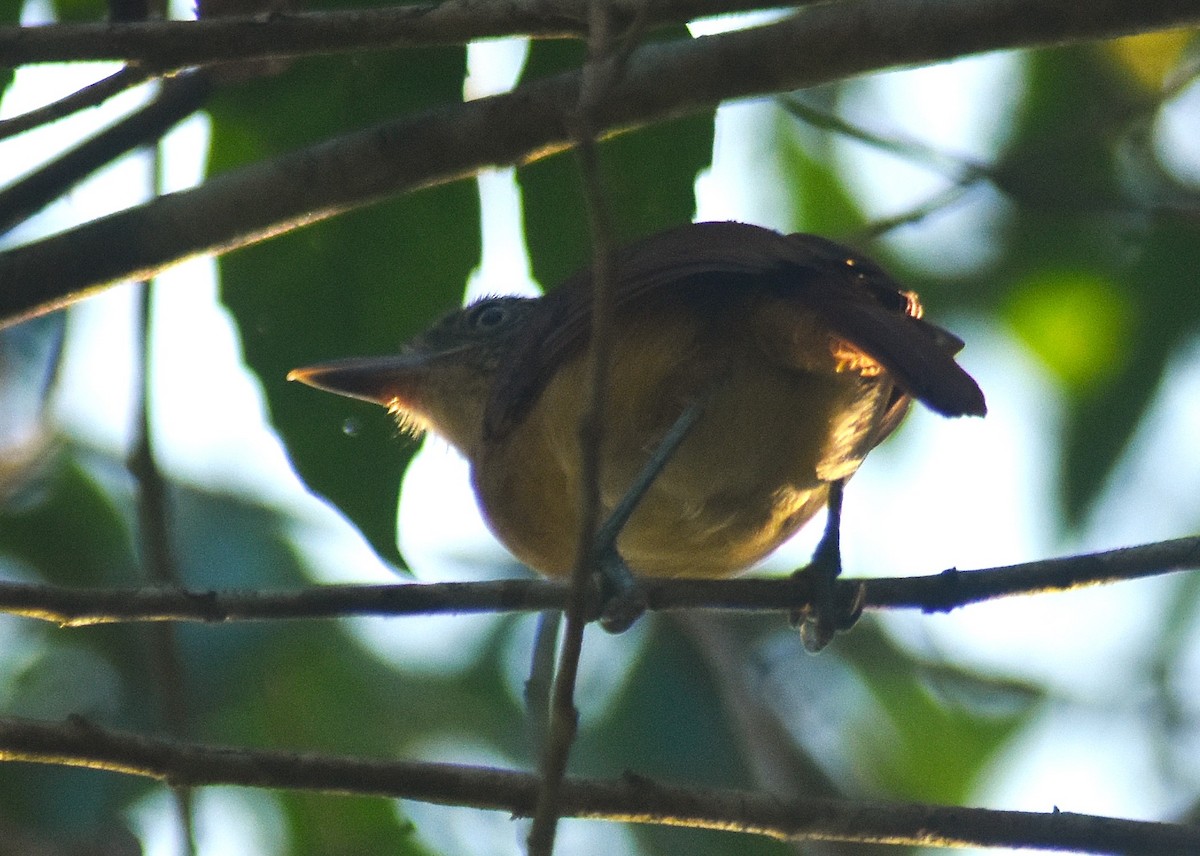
1046	206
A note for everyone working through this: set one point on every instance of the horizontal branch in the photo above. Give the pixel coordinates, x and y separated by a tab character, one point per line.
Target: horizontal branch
662	80
78	742
940	592
167	45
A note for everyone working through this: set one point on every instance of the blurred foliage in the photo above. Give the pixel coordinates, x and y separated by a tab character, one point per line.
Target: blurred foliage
648	177
1094	270
1074	323
79	10
1081	223
1152	57
354	285
934	717
10	13
1100	244
1092	258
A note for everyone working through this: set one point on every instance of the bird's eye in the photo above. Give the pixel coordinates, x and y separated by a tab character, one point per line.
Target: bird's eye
488	316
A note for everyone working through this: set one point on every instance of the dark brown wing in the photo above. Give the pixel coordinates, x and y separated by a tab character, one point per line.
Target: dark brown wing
861	303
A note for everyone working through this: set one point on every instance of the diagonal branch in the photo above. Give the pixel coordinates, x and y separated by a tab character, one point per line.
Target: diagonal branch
630	799
178	98
941	592
168	45
662	81
81	99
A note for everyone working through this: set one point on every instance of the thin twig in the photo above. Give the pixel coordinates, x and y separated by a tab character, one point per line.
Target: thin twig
540	683
940	592
958	168
631	799
564	718
81	99
179	98
963	172
77	607
159	566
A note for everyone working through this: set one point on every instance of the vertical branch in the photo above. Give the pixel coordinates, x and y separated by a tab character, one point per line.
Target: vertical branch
564	717
541	679
158	561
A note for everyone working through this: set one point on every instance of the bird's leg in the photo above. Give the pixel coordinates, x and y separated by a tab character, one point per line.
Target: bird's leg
826	614
622	597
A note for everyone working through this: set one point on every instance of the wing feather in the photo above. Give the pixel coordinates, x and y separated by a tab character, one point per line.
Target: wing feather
858	301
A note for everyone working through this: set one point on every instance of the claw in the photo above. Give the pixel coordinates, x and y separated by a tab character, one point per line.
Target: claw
831	607
622	598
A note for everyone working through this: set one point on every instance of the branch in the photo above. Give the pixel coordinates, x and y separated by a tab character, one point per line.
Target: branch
608	51
158	562
662	80
167	45
954	588
631	799
81	99
178	98
942	592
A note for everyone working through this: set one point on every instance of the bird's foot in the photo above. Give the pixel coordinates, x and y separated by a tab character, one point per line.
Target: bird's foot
622	598
830	607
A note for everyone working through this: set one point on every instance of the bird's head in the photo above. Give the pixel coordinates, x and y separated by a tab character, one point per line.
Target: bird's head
442	379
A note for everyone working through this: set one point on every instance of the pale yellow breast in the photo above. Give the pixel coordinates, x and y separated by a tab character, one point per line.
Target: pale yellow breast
754	469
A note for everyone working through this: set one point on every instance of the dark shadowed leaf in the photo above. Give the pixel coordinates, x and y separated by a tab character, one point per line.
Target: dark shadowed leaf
358	284
10	13
649	176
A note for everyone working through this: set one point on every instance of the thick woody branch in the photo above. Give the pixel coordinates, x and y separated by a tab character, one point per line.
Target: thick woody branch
630	799
661	81
167	45
932	593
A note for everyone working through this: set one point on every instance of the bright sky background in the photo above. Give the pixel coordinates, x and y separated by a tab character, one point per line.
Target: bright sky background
965	493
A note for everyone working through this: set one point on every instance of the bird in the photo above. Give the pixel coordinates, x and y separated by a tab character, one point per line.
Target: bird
791	356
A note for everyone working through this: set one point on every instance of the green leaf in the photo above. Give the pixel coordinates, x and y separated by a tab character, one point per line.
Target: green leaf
1065	136
79	11
1075	322
1163	310
669	725
818	200
358	284
322	824
943	724
10	14
648	175
1089	276
68	530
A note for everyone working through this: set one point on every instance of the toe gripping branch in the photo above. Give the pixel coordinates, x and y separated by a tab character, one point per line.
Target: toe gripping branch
829	607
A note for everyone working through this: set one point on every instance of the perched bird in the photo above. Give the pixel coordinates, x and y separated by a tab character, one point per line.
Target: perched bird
796	355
